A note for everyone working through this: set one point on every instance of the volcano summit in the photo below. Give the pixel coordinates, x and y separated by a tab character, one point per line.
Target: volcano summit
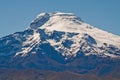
61	42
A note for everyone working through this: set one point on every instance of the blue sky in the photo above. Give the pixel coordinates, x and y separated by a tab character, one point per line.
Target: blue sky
16	15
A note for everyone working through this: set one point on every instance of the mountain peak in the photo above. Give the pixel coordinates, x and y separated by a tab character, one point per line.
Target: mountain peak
64	33
53	18
61	42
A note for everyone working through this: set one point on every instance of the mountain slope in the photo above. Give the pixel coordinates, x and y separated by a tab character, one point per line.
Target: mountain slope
61	42
48	75
42	75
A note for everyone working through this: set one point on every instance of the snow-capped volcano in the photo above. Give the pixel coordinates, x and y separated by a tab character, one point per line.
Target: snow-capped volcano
60	41
68	22
69	36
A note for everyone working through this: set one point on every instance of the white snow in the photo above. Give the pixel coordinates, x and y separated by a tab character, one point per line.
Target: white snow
30	43
69	23
64	23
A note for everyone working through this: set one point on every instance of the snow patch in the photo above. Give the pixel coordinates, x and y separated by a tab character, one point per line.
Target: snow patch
29	44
